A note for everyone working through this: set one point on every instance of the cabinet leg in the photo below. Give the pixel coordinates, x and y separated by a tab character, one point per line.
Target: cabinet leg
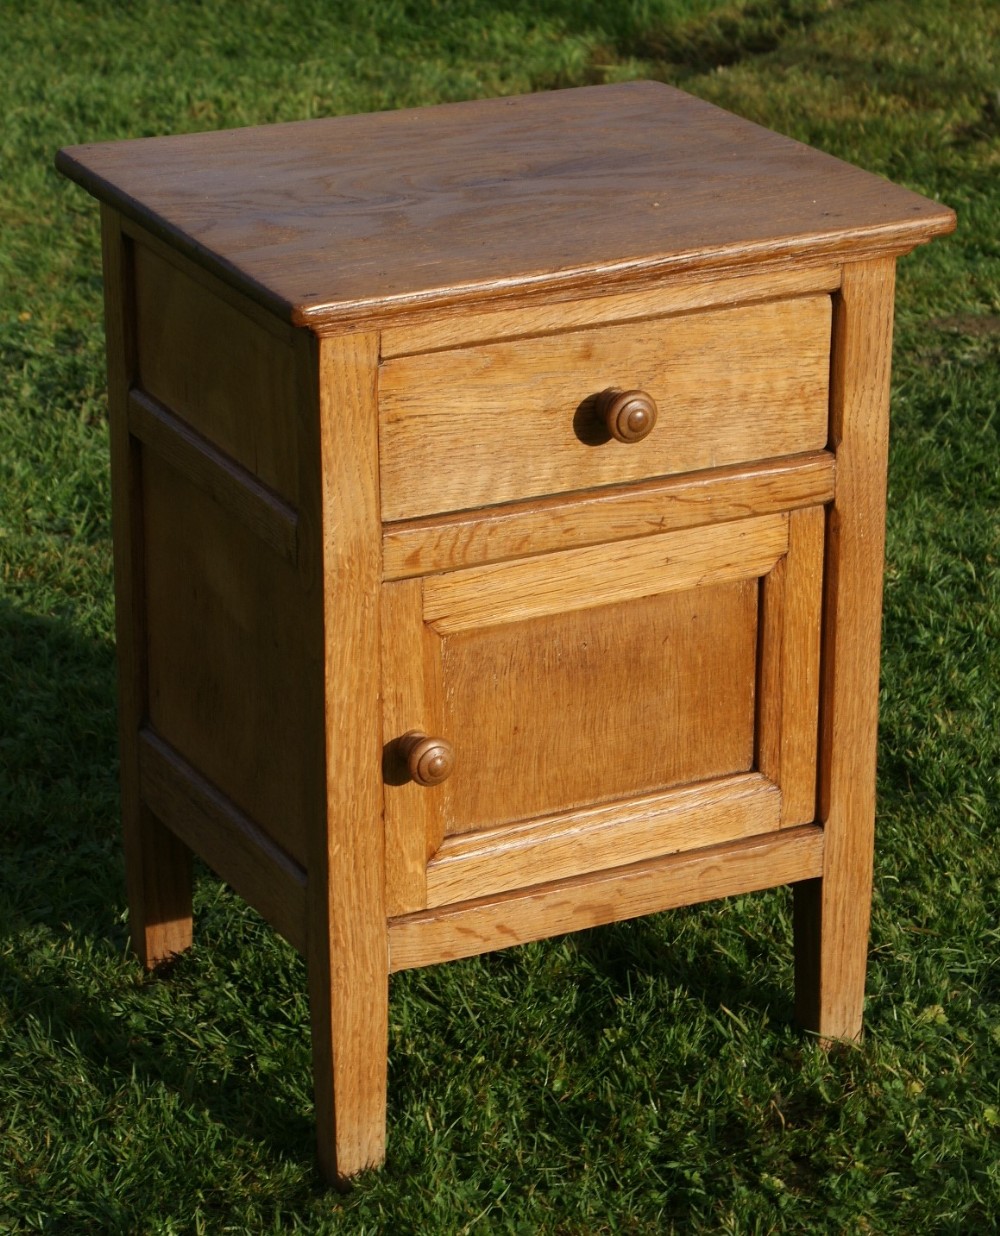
832	913
348	945
831	951
349	1012
159	878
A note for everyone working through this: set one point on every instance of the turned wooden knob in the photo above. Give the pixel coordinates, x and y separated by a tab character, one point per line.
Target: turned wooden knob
629	415
429	761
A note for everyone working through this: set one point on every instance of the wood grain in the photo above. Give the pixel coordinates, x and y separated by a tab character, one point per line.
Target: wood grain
348	948
471	865
421	547
157	863
268	516
832	914
603	574
710	290
498	921
504	421
213	366
587	706
232	844
788	699
339	219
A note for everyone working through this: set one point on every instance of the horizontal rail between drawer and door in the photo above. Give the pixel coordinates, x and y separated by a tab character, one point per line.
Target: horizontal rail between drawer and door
522	530
596	575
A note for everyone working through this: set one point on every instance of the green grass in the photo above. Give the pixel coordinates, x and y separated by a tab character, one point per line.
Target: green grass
641	1078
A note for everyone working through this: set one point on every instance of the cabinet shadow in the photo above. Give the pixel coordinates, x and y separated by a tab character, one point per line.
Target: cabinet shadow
62	895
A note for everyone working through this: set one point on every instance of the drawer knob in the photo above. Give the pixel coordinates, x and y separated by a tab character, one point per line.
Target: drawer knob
429	761
629	415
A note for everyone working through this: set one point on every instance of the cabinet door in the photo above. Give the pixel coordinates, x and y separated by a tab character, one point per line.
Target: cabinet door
603	705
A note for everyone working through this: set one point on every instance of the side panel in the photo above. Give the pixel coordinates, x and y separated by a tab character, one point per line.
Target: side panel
218	369
218	412
231	664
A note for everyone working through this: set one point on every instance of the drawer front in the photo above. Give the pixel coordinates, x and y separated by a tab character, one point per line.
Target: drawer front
602	705
502	422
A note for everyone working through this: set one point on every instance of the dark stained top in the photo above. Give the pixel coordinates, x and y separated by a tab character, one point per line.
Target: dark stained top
328	220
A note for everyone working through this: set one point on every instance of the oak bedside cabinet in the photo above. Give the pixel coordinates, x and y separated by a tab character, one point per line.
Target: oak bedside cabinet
498	501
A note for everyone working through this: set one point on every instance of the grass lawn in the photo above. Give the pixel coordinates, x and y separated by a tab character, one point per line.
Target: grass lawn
640	1078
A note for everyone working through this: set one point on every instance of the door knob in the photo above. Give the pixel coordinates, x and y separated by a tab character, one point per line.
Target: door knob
628	415
429	761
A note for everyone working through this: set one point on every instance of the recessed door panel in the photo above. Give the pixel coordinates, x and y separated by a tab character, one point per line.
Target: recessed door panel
597	704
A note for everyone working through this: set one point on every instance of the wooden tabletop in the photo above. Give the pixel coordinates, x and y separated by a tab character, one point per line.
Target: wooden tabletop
331	220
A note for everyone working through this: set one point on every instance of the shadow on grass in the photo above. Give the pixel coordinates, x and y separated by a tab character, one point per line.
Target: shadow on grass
118	1056
58	777
724	38
62	892
623	950
687	46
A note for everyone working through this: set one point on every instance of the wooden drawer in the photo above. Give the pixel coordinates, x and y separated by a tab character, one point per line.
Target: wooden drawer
505	421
